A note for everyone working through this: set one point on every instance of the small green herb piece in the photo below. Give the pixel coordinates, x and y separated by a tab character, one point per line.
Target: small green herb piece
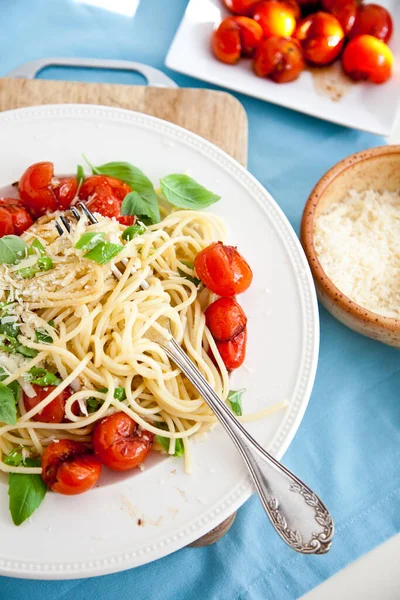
191	278
42	377
25	351
90	240
8	409
8	343
130	232
235	400
93	404
14	458
80	175
145	205
43	337
164	443
103	252
26	492
119	393
37	248
45	263
10	329
184	192
12	249
28	272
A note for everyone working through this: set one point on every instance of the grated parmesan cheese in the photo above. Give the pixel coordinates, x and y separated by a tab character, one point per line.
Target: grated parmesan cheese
357	243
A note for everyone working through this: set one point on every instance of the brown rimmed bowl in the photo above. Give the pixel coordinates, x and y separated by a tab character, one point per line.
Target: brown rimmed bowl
377	168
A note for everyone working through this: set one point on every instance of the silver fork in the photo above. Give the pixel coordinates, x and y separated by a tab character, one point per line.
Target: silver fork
295	511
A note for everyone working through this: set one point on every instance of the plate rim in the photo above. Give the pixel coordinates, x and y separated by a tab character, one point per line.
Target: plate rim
307	367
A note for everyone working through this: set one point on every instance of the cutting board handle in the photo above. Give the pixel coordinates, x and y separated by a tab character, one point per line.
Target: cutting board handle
154	77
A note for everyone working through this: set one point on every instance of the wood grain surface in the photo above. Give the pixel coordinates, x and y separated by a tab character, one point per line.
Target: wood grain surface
216	116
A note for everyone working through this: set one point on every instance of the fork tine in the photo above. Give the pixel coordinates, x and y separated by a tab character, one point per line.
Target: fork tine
87	212
76	213
65	223
59	228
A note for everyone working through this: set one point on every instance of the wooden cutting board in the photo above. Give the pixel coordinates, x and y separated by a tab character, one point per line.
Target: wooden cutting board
216	116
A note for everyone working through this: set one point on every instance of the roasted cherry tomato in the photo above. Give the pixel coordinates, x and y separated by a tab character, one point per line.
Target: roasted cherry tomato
41	192
225	319
225	41
104	195
321	37
14	218
344	10
250	33
53	412
373	19
240	7
69	467
119	443
279	58
367	58
276	17
223	270
233	352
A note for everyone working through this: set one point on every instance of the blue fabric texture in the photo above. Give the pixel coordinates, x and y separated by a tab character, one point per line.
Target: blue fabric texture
347	446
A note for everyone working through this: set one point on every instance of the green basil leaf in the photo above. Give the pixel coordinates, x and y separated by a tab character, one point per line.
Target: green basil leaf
12	249
235	400
25	351
184	192
8	343
37	248
16	390
14	458
90	240
8	409
130	232
45	263
164	442
26	493
103	252
42	377
3	374
139	183
141	206
119	393
191	278
80	175
43	337
9	329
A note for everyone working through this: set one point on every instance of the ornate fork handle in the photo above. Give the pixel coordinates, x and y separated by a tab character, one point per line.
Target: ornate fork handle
296	512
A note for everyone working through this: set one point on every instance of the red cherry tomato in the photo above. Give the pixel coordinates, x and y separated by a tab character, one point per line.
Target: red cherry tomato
344	10
279	58
225	319
240	7
53	412
41	192
225	41
104	195
250	33
276	17
223	270
367	58
372	19
69	467
233	352
321	37
119	443
14	218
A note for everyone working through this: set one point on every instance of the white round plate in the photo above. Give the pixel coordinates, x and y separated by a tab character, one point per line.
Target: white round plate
138	518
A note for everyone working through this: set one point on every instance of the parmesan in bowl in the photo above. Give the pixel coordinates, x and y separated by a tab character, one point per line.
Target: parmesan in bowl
350	232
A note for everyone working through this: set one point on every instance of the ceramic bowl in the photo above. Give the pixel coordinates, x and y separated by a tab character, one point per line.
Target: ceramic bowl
377	168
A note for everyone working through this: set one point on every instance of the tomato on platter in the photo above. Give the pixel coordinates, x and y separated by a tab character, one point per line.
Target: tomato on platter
321	36
69	467
14	218
367	58
54	412
279	58
250	33
225	319
233	352
41	192
235	37
372	19
344	10
119	443
104	195
240	7
223	270
276	17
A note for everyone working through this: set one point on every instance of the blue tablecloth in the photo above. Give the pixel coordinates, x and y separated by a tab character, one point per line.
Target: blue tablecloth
347	446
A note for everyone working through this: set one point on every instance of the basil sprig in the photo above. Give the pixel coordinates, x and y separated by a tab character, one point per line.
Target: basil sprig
12	249
235	400
25	491
184	192
142	201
